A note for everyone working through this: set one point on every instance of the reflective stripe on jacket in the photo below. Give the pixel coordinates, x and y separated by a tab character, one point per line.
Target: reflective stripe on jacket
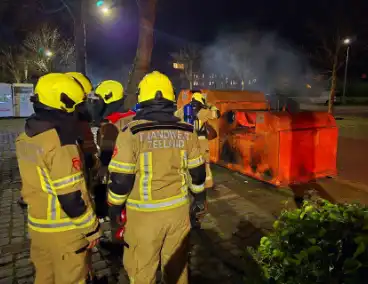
52	171
158	157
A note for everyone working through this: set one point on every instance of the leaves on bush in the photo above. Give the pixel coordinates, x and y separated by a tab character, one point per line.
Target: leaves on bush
319	243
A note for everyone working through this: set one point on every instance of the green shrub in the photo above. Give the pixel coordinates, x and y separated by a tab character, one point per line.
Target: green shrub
319	243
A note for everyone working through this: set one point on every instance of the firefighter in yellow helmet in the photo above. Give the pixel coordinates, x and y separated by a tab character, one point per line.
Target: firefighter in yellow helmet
86	140
149	178
110	117
61	222
202	112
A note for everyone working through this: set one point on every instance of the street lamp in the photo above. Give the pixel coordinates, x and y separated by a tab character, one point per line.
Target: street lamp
48	53
105	10
347	41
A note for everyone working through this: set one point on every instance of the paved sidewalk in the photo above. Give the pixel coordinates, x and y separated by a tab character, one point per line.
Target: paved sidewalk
209	262
241	211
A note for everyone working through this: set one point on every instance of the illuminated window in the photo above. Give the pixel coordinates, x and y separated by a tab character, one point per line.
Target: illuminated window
178	66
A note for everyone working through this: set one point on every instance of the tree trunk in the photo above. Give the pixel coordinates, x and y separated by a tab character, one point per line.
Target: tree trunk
142	61
332	90
331	99
80	36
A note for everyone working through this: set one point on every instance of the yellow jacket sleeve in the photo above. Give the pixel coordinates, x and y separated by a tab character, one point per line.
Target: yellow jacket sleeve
196	166
206	114
68	184
122	168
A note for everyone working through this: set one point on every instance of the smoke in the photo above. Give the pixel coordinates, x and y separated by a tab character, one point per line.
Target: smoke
262	61
98	72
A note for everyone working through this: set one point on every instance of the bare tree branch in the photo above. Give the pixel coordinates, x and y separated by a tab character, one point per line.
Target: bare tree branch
13	63
190	57
46	51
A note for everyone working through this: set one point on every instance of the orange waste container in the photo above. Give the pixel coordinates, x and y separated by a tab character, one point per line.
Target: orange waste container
280	148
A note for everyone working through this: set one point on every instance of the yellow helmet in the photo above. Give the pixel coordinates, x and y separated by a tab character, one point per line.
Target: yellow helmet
110	91
83	80
199	98
59	91
154	84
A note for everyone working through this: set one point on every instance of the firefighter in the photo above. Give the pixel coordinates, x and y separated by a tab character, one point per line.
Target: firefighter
203	112
148	179
111	118
62	225
111	115
86	139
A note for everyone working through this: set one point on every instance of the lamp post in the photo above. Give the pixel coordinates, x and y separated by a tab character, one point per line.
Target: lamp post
77	12
347	42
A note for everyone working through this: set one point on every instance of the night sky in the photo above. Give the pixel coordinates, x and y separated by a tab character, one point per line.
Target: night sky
112	42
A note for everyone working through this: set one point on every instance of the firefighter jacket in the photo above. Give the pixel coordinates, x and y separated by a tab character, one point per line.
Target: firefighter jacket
53	184
202	117
108	133
150	167
87	143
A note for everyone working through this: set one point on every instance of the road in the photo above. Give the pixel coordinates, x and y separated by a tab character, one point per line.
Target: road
358	111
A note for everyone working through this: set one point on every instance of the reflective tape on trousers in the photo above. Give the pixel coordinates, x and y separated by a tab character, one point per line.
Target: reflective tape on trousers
158	205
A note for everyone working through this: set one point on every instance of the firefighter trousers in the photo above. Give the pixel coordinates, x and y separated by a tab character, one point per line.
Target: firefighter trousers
55	260
154	238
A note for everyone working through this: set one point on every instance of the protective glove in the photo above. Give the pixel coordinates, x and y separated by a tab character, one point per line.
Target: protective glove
200	209
117	215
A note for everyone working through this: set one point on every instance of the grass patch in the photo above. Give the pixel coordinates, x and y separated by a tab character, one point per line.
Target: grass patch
353	127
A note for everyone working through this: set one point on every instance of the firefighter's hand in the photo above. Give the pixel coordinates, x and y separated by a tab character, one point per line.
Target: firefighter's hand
199	209
202	210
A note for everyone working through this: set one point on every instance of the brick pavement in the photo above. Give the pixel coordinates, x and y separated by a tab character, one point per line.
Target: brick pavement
241	211
218	252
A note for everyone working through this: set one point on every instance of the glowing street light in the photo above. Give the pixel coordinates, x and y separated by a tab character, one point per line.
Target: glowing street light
347	41
48	53
105	10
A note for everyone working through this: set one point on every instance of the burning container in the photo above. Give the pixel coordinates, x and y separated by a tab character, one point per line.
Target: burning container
280	148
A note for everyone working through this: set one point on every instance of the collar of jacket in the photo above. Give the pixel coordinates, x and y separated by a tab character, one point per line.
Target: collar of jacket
45	120
160	111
